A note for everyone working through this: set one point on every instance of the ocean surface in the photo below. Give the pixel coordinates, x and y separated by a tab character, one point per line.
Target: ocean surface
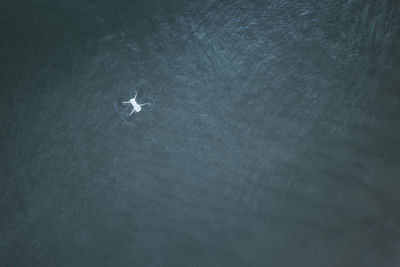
272	138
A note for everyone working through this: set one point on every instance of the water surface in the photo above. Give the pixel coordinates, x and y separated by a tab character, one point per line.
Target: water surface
273	140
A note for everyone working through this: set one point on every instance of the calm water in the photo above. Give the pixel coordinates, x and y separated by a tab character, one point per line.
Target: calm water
274	138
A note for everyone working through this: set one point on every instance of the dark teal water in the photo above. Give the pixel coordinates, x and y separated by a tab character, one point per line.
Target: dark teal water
274	138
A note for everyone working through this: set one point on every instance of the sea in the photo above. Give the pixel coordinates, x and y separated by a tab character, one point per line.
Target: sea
268	133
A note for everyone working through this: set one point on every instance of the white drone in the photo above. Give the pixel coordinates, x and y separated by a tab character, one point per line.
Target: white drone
135	106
